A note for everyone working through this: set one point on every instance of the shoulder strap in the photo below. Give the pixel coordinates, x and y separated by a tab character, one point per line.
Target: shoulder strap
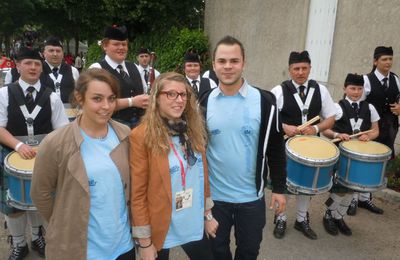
46	94
15	90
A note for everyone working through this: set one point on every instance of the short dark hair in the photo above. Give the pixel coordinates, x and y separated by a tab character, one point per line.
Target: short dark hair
229	40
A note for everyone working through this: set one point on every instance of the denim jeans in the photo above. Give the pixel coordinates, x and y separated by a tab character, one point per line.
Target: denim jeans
248	220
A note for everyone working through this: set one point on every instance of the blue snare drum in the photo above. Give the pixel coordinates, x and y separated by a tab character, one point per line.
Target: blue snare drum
19	173
310	162
362	165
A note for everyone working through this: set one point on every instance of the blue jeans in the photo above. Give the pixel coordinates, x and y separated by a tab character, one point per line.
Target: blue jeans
248	220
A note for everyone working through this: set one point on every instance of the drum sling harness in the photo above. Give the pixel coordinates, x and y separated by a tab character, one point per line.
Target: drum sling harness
57	82
30	117
304	106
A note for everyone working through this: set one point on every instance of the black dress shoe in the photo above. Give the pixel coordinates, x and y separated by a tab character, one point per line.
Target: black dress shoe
305	228
352	210
368	204
343	228
330	224
39	244
18	252
280	228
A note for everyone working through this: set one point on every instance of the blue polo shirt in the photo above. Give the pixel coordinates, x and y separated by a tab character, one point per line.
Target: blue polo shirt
186	225
234	126
108	230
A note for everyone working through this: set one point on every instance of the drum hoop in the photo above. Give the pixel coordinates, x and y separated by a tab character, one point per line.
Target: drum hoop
365	157
15	204
11	170
362	188
296	189
309	161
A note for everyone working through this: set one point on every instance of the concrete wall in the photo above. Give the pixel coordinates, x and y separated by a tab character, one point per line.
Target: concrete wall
271	29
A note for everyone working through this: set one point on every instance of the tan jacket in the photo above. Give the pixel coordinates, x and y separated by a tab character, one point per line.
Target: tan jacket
151	198
60	188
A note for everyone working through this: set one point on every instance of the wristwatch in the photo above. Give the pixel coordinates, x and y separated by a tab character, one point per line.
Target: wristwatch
208	217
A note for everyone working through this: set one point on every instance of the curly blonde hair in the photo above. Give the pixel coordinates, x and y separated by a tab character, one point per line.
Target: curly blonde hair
157	135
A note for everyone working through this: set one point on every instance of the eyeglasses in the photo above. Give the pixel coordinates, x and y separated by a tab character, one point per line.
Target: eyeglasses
173	95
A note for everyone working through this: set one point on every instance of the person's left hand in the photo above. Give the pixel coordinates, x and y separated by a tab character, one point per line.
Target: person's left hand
211	227
364	138
279	202
395	108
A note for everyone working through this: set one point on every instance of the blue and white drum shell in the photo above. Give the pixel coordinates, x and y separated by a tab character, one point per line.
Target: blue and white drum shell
310	163
362	165
19	173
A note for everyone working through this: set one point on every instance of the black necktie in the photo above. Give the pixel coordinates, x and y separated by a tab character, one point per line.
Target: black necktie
55	72
29	101
355	107
146	76
195	89
302	94
385	83
122	71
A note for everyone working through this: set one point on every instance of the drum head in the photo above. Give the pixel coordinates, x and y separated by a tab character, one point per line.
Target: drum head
14	160
365	148
312	147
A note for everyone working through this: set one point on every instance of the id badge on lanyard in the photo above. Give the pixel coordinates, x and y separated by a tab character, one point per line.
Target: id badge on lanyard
183	198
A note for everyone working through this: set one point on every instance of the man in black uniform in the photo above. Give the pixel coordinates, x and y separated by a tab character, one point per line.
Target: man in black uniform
56	72
192	70
133	101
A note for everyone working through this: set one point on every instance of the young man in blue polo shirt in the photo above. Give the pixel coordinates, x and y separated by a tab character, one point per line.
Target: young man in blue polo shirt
245	140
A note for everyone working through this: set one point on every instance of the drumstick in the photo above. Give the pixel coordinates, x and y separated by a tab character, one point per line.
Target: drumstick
354	135
301	127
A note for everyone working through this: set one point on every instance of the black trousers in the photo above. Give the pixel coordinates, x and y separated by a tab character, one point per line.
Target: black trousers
130	255
196	250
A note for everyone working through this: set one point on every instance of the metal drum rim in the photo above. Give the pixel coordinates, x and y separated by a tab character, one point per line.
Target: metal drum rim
304	190
364	157
359	188
11	170
309	161
19	205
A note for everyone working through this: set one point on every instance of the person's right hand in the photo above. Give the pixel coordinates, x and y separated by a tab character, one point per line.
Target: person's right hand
290	130
149	253
26	152
141	101
344	137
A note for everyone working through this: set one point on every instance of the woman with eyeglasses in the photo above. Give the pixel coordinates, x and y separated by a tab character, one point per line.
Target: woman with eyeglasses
81	181
170	198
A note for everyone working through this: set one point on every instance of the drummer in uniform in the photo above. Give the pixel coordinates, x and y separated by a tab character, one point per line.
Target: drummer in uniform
28	111
143	57
381	89
353	116
133	101
299	100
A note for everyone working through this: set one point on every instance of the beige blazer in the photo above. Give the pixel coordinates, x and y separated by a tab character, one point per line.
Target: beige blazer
60	188
151	195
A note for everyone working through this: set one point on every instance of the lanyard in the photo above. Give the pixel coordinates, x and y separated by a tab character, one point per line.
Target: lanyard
183	173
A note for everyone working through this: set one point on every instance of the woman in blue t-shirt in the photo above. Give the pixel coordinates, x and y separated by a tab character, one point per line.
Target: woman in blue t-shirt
81	183
170	198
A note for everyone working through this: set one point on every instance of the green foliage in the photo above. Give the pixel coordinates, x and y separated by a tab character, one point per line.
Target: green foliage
393	174
94	54
169	48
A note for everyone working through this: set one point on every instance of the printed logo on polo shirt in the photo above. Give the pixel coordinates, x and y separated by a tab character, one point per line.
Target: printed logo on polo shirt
215	132
247	132
92	182
174	169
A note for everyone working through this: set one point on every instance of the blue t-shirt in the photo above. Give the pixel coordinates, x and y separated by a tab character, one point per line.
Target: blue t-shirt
234	125
109	230
186	225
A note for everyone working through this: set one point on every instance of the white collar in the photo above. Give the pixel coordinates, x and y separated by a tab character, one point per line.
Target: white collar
24	85
297	85
51	66
113	64
190	80
242	90
380	76
351	101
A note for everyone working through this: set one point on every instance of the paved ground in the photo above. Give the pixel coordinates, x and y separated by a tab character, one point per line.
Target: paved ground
374	236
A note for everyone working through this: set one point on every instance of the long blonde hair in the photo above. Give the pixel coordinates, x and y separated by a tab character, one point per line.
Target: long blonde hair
157	136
